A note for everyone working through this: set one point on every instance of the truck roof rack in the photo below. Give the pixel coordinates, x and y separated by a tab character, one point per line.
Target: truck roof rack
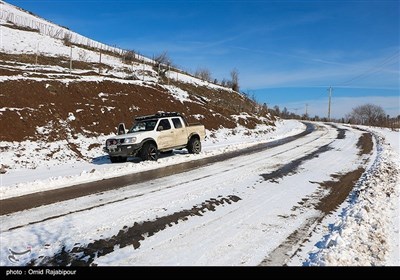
158	115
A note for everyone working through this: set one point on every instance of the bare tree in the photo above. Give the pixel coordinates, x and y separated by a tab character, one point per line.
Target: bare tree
368	114
254	98
284	113
128	56
162	63
163	58
67	39
235	79
223	82
204	74
277	110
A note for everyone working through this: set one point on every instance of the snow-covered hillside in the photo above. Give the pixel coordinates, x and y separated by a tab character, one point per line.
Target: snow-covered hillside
25	33
62	91
13	16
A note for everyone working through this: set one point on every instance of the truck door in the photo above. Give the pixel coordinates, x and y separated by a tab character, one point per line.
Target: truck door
180	133
165	137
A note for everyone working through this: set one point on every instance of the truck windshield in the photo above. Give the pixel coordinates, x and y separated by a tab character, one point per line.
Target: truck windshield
146	125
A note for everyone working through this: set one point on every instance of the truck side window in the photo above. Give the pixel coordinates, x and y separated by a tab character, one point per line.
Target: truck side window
177	122
165	124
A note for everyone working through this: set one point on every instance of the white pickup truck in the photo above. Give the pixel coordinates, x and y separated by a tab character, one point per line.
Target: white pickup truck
153	134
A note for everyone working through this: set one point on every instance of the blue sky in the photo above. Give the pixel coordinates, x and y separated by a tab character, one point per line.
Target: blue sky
287	52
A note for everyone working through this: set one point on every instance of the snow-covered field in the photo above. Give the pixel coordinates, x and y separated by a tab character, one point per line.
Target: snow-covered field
226	213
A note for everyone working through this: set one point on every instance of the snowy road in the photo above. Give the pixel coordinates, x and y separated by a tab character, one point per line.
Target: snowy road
24	202
248	210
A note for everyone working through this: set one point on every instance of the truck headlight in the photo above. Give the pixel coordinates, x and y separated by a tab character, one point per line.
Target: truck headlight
130	140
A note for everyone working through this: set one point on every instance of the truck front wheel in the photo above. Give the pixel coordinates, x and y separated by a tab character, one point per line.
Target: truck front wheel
194	146
149	152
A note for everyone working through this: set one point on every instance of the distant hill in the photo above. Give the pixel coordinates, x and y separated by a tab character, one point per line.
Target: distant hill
56	84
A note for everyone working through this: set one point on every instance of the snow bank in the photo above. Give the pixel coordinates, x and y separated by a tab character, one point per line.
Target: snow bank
367	231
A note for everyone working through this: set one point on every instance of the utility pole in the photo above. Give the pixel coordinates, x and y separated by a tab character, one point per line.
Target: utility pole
329	106
306	110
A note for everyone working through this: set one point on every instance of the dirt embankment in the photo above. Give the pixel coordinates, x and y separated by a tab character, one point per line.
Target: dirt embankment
43	106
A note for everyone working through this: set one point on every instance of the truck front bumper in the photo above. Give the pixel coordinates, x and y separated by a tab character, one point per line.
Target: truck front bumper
122	150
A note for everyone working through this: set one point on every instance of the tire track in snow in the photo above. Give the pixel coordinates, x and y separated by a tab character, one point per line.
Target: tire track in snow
292	167
132	236
339	191
341	131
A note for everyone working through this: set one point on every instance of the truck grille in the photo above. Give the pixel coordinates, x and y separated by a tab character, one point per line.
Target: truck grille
114	142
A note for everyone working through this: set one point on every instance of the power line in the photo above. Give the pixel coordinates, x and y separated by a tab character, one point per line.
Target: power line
373	70
377	68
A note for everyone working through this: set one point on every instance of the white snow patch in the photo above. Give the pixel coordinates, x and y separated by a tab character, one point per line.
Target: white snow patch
198	116
179	94
102	94
71	117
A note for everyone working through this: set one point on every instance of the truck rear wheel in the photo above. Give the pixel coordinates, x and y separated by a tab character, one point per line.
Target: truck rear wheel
149	152
194	146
